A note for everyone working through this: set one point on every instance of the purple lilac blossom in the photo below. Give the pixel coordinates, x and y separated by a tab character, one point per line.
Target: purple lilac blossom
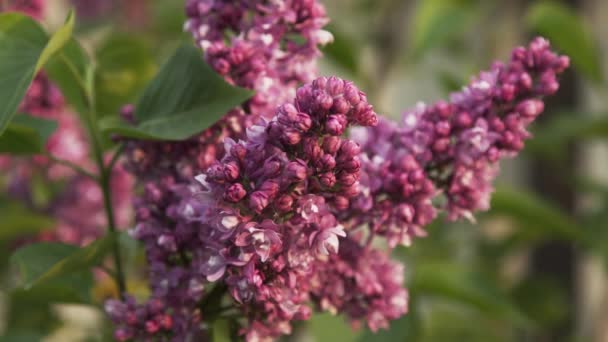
452	148
274	222
262	215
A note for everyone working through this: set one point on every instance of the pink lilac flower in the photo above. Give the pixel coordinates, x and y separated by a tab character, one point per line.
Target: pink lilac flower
452	148
263	45
261	216
361	283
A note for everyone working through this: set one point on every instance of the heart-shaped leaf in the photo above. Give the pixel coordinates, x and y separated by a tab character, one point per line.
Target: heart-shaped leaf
26	135
185	98
24	49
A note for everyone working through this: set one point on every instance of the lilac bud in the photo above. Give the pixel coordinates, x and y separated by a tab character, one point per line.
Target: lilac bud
328	179
312	150
328	162
270	187
258	201
239	152
347	179
303	122
272	168
336	124
284	203
341	106
341	203
349	149
296	171
531	108
235	193
331	144
352	166
290	136
335	86
153	193
167	242
231	171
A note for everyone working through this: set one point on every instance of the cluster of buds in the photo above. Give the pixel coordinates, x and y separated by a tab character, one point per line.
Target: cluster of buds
265	213
262	45
452	149
139	322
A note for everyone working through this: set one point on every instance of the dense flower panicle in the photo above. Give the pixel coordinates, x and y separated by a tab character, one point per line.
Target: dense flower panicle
264	214
139	322
452	148
362	283
262	45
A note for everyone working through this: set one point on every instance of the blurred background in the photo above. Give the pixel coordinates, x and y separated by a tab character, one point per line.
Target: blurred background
531	269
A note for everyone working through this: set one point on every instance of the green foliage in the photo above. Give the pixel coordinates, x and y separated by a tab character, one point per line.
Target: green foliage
66	259
69	70
124	66
456	283
18	221
565	128
327	327
185	98
26	135
437	21
535	214
25	49
343	51
543	300
567	30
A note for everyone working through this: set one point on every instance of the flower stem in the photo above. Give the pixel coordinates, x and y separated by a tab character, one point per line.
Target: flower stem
105	174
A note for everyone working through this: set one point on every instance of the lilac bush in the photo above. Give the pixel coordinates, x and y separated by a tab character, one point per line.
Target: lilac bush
283	222
294	200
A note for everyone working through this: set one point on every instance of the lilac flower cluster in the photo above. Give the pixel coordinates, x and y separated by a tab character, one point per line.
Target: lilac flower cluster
272	225
263	214
452	148
166	170
262	45
361	283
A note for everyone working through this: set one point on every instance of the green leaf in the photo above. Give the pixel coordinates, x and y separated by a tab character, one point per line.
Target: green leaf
567	30
436	21
26	135
57	41
25	48
67	260
124	66
18	221
326	327
68	70
564	128
343	51
185	98
34	261
535	214
21	337
454	282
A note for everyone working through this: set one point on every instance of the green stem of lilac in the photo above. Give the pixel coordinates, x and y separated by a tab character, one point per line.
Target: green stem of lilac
105	174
